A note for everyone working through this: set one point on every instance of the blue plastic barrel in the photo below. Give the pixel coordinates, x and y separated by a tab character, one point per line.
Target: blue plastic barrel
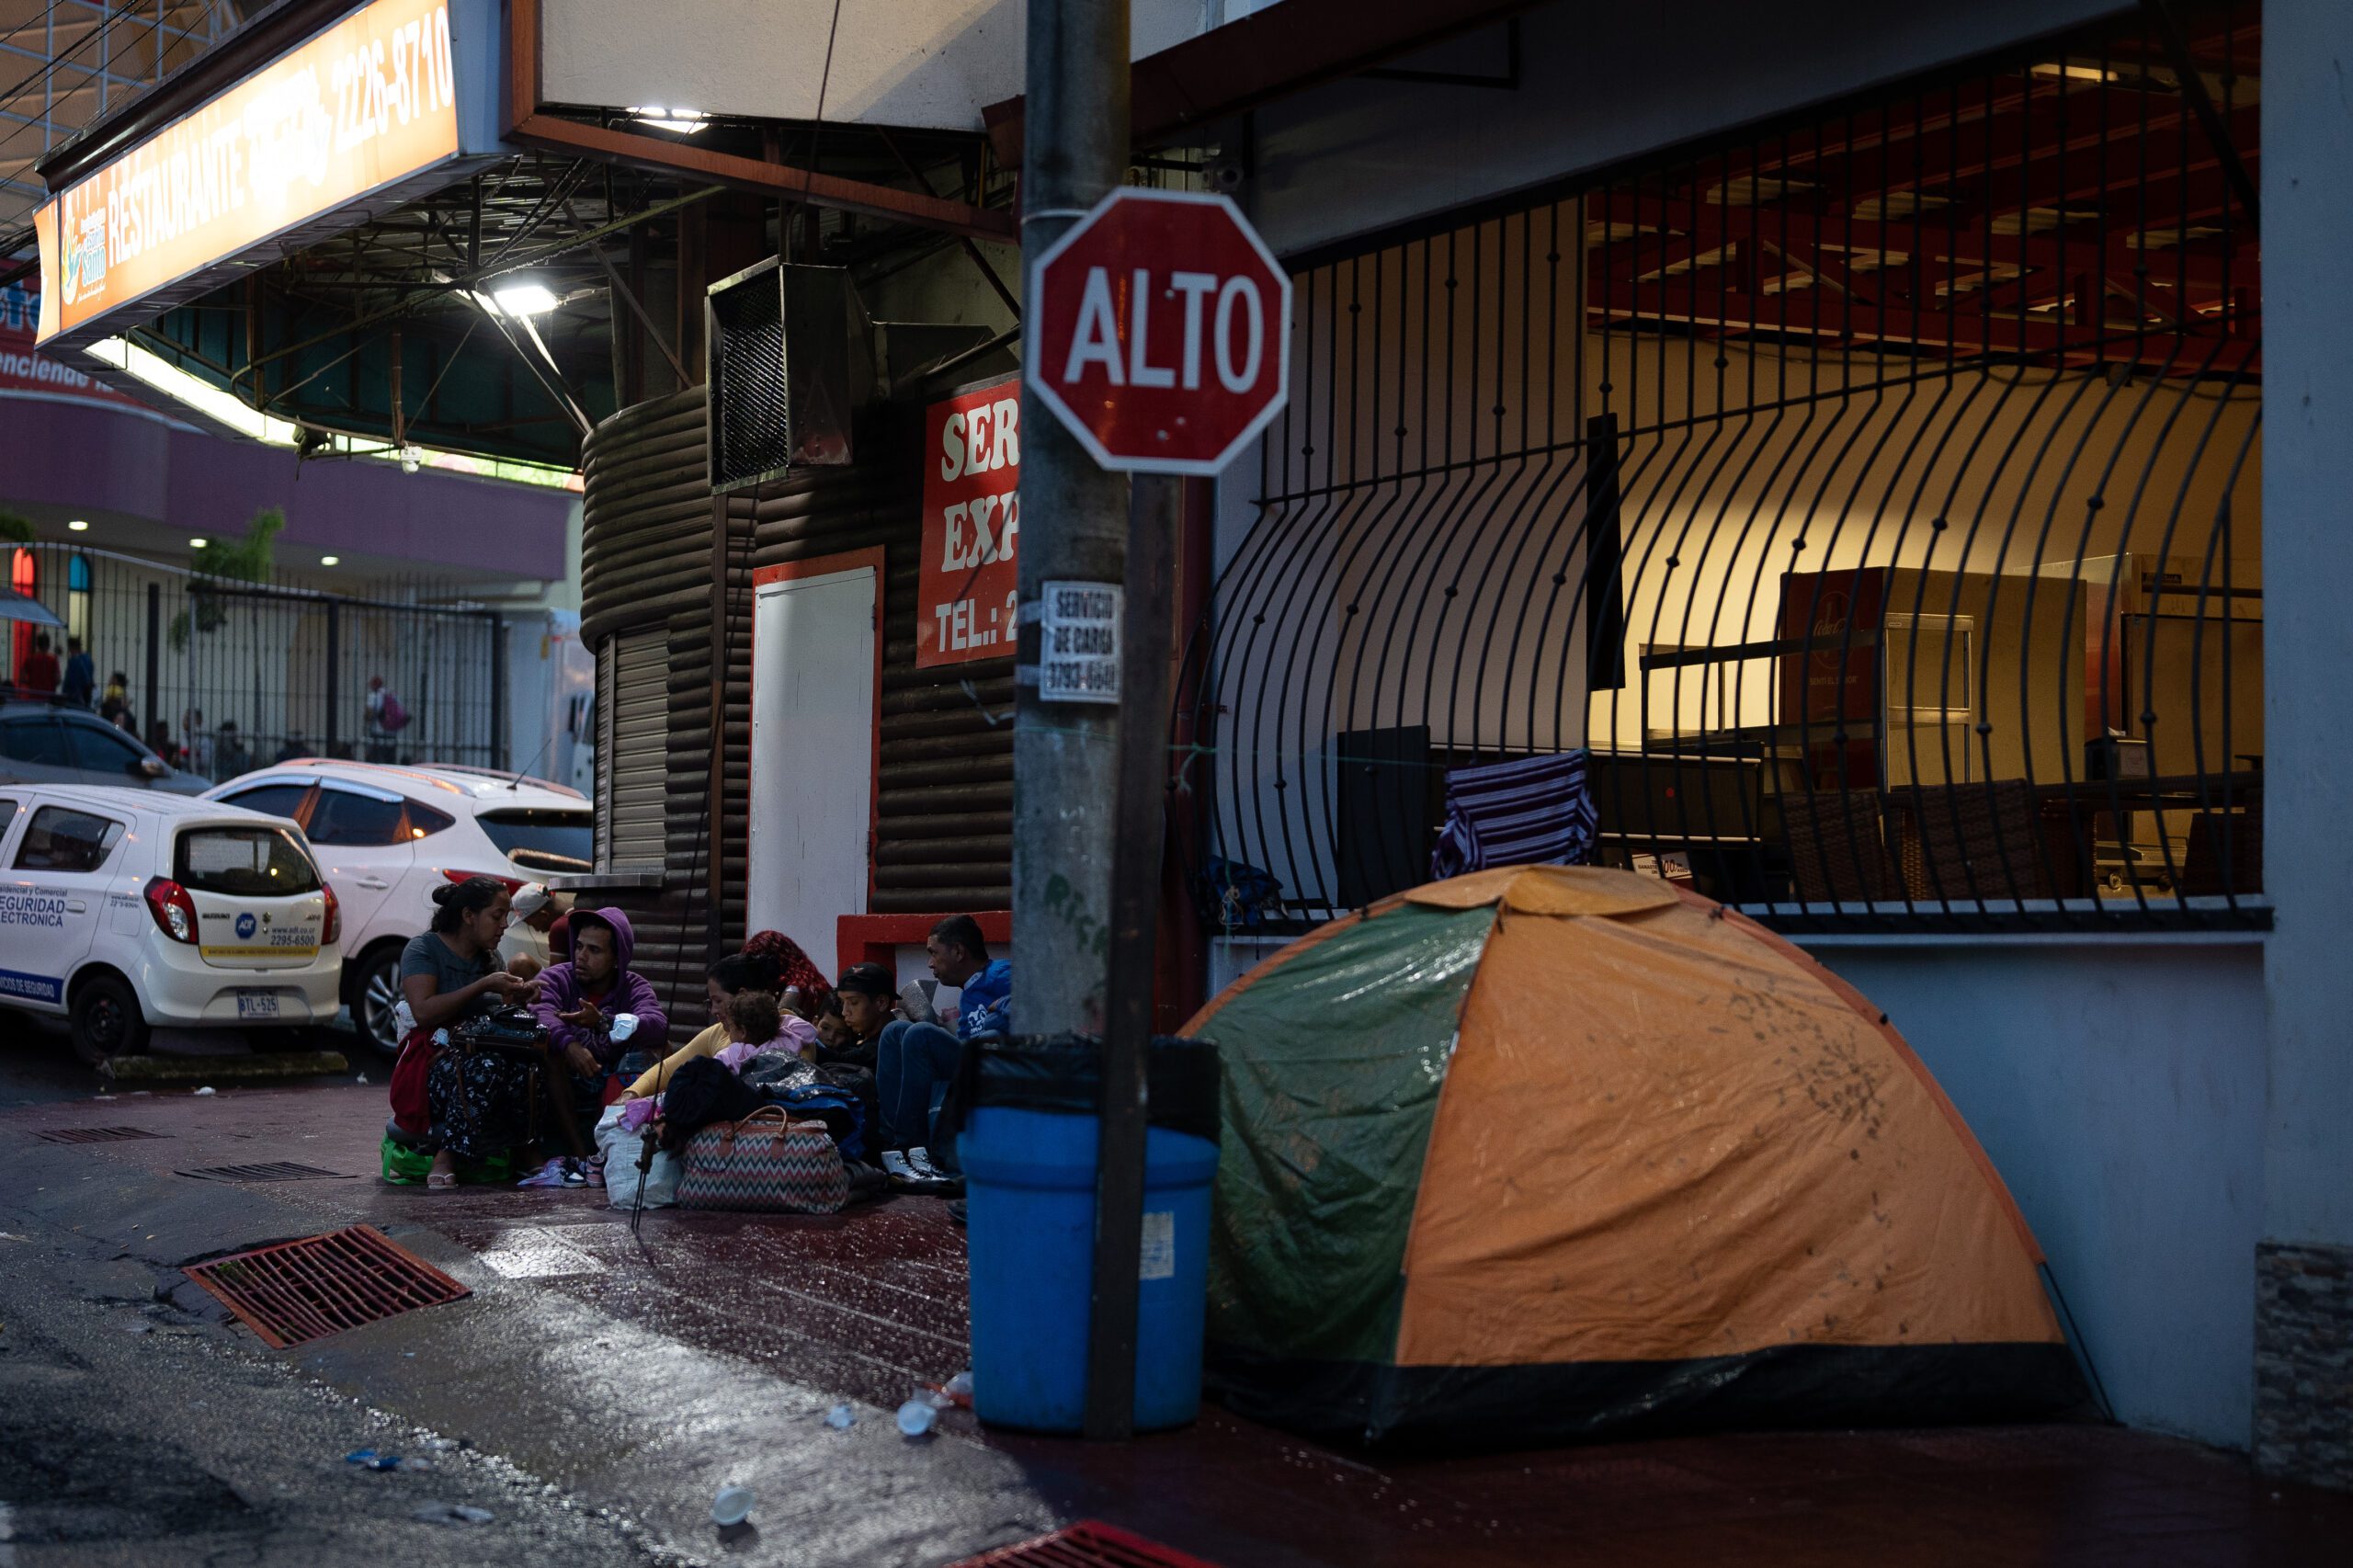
1029	1177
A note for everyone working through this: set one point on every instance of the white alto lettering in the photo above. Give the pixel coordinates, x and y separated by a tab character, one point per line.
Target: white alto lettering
1141	372
1096	341
1240	289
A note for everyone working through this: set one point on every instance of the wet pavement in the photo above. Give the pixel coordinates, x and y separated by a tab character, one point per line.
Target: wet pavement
636	1373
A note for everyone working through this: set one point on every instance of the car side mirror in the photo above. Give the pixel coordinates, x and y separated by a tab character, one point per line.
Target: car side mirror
150	767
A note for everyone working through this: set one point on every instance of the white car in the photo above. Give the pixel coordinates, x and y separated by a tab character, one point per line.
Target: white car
124	910
386	837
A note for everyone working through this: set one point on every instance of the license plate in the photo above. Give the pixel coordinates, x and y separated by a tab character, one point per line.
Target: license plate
257	1003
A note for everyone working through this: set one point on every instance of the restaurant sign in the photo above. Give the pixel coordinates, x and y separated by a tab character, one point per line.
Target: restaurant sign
372	100
972	522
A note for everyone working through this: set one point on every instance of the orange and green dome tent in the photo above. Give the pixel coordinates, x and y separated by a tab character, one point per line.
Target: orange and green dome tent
1556	1152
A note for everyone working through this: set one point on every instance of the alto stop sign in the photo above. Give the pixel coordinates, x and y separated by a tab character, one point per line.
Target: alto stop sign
1159	332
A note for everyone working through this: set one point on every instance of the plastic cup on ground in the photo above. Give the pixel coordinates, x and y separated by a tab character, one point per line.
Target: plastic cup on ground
915	1417
731	1506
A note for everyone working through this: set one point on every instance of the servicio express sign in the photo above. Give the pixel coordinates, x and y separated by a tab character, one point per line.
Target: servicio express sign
370	100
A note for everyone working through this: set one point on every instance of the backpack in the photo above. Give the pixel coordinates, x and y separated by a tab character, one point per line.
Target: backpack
394	717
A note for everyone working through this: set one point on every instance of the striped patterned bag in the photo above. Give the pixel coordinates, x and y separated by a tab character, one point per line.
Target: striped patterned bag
765	1164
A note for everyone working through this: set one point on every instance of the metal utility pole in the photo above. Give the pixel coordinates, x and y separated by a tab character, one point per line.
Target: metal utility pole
1075	524
1074	528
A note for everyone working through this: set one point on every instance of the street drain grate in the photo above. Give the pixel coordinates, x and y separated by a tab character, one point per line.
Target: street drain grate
95	1134
1090	1543
276	1170
297	1291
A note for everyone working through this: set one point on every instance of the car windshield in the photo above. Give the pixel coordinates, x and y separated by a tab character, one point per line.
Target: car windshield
244	862
546	840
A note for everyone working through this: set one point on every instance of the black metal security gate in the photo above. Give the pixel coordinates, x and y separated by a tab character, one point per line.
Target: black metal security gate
233	675
1873	496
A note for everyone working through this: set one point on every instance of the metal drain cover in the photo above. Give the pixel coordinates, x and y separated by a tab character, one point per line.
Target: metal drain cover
1090	1543
95	1134
297	1291
276	1170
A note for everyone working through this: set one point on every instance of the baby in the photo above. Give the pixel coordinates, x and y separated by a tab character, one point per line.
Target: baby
757	1026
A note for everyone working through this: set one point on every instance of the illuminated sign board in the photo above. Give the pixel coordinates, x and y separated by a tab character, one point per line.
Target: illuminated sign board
372	100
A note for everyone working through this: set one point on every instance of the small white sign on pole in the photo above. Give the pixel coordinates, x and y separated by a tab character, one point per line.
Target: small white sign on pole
1079	643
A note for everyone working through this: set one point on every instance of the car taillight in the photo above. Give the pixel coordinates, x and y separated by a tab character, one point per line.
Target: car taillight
175	912
335	917
510	883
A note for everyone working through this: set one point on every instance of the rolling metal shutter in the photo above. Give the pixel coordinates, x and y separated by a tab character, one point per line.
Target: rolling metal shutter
636	750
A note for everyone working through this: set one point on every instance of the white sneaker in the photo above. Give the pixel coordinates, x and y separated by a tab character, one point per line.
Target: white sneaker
898	1167
920	1161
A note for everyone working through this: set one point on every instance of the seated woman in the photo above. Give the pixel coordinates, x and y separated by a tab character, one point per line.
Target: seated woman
479	1100
737	973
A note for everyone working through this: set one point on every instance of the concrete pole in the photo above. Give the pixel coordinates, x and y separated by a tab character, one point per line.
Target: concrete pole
1074	528
2303	1311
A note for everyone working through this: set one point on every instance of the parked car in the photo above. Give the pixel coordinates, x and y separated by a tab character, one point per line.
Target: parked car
123	910
41	743
386	836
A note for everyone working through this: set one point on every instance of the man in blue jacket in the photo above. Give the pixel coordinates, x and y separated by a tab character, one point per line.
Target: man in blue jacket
912	1059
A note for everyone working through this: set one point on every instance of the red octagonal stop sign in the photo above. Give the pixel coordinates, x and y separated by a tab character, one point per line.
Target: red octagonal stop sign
1159	331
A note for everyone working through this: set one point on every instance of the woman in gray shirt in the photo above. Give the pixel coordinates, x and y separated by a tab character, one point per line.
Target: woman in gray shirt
480	1100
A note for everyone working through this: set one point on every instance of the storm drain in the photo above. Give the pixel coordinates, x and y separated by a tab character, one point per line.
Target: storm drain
276	1170
297	1291
95	1134
1090	1543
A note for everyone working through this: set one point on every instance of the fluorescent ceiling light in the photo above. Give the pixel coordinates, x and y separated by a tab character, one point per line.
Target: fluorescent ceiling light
685	121
330	560
78	526
195	393
520	300
198	543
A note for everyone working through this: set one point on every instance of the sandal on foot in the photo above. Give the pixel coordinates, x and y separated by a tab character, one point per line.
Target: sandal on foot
441	1181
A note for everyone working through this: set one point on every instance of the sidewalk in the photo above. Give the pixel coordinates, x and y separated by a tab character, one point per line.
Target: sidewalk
641	1372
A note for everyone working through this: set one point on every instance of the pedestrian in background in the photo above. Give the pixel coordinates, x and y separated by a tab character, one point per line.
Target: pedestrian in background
115	706
36	677
81	674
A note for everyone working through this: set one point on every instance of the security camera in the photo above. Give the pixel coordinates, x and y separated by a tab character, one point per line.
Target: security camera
1224	176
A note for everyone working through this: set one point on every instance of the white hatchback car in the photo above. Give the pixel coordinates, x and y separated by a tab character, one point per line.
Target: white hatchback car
124	910
385	836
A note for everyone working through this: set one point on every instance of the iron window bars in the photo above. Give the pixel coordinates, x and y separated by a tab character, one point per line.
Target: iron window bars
1875	493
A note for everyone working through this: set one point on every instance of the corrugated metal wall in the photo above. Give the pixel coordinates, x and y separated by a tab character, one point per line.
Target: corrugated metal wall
945	839
645	567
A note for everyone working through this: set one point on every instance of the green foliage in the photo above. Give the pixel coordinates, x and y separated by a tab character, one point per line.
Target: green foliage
246	560
15	528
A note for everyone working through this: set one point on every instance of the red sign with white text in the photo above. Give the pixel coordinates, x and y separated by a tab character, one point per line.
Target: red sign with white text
971	523
1159	332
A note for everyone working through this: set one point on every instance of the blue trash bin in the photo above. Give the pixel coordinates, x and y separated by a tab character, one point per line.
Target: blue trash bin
1030	1174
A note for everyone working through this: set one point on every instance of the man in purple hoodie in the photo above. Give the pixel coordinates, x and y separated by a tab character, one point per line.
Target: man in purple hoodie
578	1000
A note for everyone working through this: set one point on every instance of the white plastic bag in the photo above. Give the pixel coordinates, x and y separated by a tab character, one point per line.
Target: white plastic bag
623	1150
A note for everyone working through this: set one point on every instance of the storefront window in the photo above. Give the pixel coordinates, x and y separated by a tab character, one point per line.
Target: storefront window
78	598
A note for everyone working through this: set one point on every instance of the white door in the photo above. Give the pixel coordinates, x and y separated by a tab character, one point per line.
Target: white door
813	755
53	896
364	847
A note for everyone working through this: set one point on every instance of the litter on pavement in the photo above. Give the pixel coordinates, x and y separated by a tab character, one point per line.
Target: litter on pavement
452	1514
840	1417
731	1506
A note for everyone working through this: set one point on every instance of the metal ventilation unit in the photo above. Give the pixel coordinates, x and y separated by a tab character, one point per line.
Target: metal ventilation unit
791	358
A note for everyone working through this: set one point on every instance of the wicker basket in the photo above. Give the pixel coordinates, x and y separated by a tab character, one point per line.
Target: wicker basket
1837	847
1966	842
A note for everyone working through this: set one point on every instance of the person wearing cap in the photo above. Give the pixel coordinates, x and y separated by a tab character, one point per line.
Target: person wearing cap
525	950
